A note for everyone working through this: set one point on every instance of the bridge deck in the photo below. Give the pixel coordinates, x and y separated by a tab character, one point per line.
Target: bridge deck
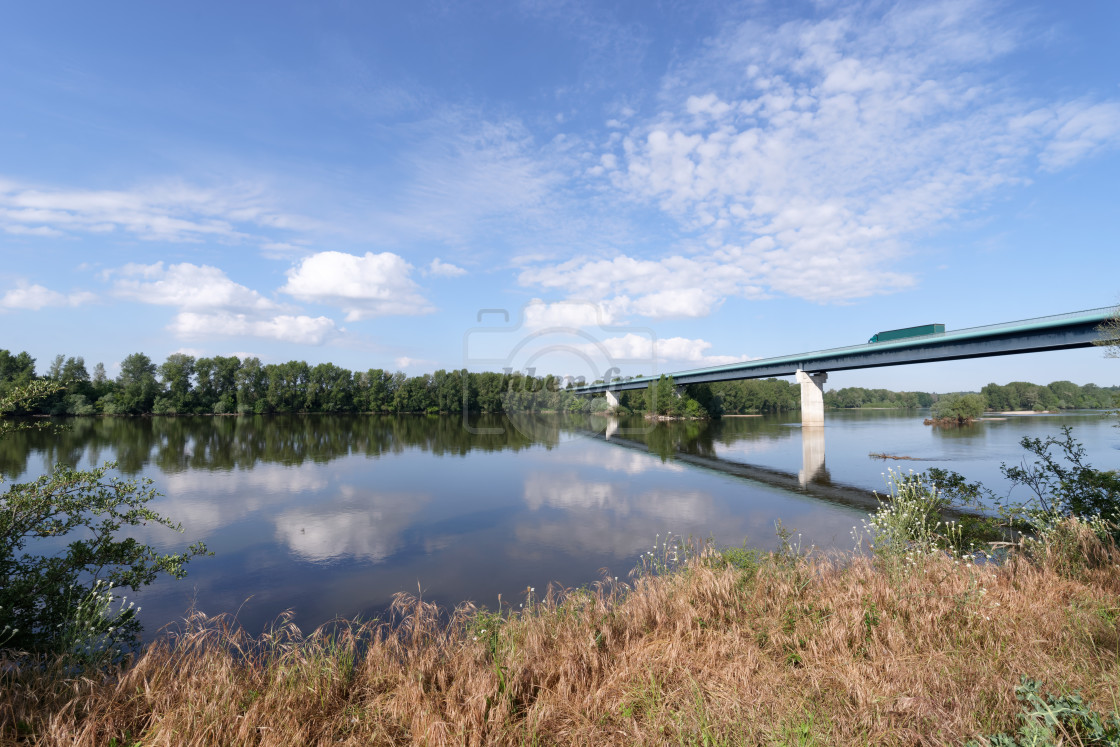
1059	332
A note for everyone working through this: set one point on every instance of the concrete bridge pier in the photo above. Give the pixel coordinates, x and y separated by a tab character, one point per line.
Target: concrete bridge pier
812	397
612	399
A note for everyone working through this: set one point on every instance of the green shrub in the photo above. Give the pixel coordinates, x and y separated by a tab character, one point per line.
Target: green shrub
60	598
1059	483
910	517
47	594
1053	720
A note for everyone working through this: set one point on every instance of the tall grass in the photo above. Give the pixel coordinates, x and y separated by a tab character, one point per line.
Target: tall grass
733	647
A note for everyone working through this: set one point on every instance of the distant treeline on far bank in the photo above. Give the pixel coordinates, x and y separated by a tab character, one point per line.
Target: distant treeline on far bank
185	385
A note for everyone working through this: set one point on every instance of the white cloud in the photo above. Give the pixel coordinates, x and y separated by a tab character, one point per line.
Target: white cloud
404	362
676	349
34	297
1079	130
473	178
163	211
21	230
800	158
211	305
674	287
187	286
304	330
366	286
445	269
571	314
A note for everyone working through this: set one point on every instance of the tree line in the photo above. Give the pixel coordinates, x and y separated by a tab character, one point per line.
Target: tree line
185	385
1058	395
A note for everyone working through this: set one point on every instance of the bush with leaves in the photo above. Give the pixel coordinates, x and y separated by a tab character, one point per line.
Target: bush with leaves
1053	720
1061	486
911	519
64	551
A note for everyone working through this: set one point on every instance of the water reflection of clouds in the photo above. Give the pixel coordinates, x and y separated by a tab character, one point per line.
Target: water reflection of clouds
611	517
270	478
363	524
201	500
607	516
619	459
571	493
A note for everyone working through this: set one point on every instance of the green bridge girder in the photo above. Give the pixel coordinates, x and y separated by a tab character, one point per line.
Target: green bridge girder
1075	329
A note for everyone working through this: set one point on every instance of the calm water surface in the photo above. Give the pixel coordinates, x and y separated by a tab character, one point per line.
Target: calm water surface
331	515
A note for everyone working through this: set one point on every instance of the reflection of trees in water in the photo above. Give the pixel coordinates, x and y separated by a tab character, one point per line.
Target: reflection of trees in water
956	432
175	444
700	437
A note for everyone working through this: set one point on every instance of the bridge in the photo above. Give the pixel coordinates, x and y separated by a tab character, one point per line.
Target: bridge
1076	329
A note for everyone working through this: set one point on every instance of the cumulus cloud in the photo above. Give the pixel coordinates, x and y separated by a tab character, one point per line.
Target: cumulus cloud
404	362
445	269
363	286
568	314
34	297
185	285
301	329
675	349
799	158
210	304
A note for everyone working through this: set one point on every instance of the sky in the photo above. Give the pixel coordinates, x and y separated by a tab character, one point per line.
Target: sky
561	186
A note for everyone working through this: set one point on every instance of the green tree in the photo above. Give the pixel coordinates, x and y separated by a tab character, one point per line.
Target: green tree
379	395
960	407
61	601
177	373
137	386
251	386
54	373
15	370
75	370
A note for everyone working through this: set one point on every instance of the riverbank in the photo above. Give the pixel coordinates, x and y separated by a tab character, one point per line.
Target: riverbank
738	647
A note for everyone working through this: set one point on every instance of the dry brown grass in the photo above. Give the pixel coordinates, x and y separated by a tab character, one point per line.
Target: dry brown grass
795	651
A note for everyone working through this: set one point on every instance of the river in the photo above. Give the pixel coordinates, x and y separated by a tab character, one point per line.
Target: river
330	516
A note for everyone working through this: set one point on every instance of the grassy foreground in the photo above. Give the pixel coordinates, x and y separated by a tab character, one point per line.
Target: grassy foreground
725	648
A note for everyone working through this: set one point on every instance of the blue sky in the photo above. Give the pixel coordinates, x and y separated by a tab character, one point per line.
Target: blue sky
656	185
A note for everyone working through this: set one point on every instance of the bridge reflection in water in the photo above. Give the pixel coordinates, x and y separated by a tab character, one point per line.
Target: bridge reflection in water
812	479
812	456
